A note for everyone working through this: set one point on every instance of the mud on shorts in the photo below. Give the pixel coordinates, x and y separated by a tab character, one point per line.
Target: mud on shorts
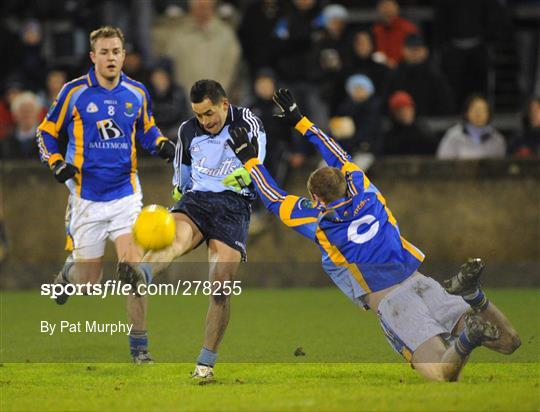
417	310
222	216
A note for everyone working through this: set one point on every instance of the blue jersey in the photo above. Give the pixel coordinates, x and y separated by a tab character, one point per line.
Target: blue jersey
362	248
102	127
203	160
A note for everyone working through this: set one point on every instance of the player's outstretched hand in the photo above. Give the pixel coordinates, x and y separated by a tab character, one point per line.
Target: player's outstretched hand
63	171
240	144
289	109
166	150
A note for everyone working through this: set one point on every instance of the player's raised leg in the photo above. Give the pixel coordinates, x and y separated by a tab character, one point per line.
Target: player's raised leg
224	262
467	285
188	237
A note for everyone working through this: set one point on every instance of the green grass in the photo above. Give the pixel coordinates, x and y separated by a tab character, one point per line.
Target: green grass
348	364
265	387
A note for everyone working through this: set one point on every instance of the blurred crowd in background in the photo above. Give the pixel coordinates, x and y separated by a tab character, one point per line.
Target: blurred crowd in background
455	79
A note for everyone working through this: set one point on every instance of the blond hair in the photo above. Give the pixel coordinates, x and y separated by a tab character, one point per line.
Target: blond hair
105	32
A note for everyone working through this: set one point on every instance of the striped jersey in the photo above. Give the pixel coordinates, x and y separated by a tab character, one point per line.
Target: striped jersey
102	127
359	238
203	160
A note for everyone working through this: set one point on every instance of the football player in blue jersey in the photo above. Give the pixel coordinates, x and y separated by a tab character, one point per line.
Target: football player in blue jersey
214	194
365	255
102	114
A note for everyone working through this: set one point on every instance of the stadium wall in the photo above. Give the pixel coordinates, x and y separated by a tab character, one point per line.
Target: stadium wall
450	210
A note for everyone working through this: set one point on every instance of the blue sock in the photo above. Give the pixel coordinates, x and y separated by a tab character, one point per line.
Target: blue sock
138	342
207	357
147	269
463	345
477	300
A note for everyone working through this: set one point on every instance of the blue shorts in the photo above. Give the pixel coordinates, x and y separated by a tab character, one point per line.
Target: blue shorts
222	216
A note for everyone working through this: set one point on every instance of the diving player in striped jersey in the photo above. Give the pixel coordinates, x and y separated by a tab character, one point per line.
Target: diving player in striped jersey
366	256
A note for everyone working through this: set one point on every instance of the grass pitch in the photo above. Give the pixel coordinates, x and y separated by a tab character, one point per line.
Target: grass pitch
347	364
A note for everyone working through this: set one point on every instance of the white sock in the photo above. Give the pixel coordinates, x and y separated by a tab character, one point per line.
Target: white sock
473	295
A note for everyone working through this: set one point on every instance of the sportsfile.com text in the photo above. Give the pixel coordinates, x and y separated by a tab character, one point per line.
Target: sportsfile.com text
117	288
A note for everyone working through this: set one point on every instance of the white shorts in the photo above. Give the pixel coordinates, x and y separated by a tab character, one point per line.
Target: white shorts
89	224
417	310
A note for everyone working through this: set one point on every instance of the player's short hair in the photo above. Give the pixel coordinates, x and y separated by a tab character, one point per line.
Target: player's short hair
328	183
105	32
205	88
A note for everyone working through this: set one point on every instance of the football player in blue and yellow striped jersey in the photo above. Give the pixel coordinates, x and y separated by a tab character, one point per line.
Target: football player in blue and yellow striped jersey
102	115
366	256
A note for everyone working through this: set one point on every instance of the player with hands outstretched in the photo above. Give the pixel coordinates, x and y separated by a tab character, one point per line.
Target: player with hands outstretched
366	256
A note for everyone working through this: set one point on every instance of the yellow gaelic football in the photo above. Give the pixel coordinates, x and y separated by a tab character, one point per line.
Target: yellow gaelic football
154	228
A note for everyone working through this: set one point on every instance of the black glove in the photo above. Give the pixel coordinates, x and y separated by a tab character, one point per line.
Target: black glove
63	171
290	111
240	144
166	150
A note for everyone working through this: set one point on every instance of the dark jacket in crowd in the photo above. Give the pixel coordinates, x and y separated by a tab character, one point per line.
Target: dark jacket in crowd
169	109
426	84
526	144
378	73
292	41
13	148
257	22
414	139
329	62
458	20
367	122
278	136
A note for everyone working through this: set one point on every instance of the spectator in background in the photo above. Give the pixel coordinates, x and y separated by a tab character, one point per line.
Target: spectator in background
169	102
134	17
279	140
134	65
527	144
407	136
279	137
331	56
293	38
56	78
26	109
474	137
10	45
12	88
363	108
390	32
30	62
365	61
200	45
292	45
258	21
421	79
462	32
